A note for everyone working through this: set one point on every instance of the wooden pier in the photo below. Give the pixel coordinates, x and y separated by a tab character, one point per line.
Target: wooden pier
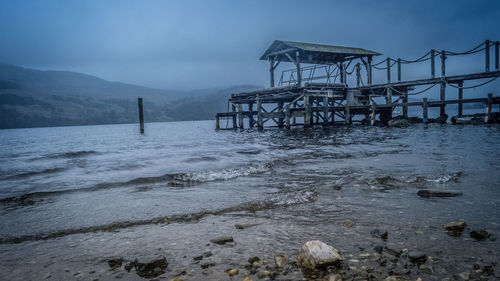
318	94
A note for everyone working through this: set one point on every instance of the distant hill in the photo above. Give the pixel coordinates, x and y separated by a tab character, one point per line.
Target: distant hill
35	98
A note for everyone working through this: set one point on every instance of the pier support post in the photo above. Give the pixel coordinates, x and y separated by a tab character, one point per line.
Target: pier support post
240	116
399	70
347	112
358	74
373	114
325	110
307	111
217	125
280	119
442	107
443	63
388	70
460	97
235	125
250	115
369	71
299	75
287	116
141	116
488	109
271	72
405	104
260	121
424	110
294	119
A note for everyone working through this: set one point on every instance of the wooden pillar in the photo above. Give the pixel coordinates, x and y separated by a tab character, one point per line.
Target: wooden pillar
141	116
424	110
399	70
260	121
250	116
487	55
369	72
217	125
405	104
388	96
280	110
325	110
235	126
287	116
307	111
294	119
460	97
374	113
433	64
240	116
488	112
443	63
271	72
299	75
442	110
497	44
347	112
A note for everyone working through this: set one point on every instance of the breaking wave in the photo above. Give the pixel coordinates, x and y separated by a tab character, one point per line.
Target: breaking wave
278	200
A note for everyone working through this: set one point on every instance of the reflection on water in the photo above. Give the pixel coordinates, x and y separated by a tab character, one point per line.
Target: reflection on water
74	197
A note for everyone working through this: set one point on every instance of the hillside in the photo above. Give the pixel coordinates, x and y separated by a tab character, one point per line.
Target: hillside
34	98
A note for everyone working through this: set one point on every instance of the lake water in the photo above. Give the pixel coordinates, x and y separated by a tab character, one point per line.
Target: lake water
74	197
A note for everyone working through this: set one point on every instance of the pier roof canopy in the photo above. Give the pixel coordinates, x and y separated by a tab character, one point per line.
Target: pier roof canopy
313	53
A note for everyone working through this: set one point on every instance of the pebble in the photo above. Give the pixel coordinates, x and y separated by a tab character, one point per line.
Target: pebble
247	278
222	240
416	256
232	272
280	260
479	234
455	226
263	274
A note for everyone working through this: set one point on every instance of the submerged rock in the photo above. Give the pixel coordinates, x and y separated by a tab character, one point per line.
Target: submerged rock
280	260
479	234
382	234
151	269
417	256
400	121
115	263
455	227
425	193
347	223
314	254
253	259
232	272
222	240
469	119
246	225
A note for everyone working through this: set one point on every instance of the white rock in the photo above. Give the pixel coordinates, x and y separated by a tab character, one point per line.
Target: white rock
316	253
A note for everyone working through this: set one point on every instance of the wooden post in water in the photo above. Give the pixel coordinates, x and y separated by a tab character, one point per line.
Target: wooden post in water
240	116
260	121
235	125
399	70
373	115
460	97
487	55
442	107
299	75
369	71
388	70
294	119
488	112
250	116
405	104
271	72
424	111
347	113
217	125
287	116
141	116
280	119
325	110
443	63
358	74
307	111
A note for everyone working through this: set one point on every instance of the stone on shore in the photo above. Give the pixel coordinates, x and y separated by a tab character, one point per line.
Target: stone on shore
417	257
400	121
115	263
333	277
314	254
425	193
151	269
222	240
479	234
280	260
232	272
245	226
455	226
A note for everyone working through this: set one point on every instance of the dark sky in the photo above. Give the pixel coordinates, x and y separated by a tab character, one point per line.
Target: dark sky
202	44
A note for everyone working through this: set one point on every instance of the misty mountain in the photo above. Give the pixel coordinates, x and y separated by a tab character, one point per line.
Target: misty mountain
34	98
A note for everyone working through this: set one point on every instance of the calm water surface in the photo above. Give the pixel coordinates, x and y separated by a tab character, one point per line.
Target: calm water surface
74	197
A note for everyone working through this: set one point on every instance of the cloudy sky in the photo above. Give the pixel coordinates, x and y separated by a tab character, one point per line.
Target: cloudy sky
203	44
